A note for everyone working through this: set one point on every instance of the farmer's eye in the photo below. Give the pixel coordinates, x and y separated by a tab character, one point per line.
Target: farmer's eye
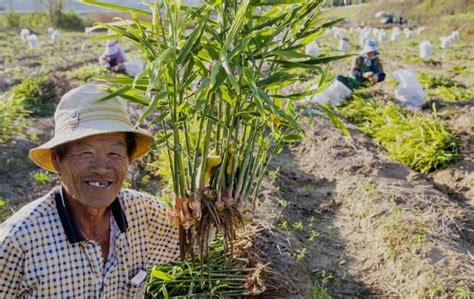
116	154
86	154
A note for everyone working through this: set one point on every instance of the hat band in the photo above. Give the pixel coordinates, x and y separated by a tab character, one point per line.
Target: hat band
92	118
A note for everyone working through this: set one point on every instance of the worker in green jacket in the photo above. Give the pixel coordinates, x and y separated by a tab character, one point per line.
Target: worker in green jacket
366	69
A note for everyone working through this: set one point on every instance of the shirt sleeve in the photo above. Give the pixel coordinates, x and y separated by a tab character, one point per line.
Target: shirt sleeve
378	70
163	238
11	267
355	69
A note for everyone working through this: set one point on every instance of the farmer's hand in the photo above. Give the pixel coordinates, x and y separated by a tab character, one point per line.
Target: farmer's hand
373	79
367	75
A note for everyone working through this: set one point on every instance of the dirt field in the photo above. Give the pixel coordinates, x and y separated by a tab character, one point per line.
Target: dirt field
338	217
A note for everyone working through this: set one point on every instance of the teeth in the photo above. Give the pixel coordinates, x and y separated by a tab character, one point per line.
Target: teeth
98	184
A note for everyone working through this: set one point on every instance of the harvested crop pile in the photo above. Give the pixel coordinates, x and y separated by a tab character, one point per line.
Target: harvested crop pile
421	142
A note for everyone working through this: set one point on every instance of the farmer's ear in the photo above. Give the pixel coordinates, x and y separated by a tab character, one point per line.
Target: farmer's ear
55	160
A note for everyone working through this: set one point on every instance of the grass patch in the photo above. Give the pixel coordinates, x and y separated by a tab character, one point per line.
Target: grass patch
429	80
422	60
454	94
12	117
41	177
37	94
421	142
403	234
86	72
5	209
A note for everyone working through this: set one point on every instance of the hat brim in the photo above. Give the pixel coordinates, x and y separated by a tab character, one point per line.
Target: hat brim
42	155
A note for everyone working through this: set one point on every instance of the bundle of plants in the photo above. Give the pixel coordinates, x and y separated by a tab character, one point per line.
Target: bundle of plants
218	277
214	78
421	142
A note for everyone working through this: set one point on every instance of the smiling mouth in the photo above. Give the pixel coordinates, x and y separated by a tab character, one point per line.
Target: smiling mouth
99	184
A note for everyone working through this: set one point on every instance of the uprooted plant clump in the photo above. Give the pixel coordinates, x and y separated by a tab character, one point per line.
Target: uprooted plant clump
216	89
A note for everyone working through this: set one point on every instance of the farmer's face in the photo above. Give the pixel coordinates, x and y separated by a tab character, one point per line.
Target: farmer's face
370	54
93	169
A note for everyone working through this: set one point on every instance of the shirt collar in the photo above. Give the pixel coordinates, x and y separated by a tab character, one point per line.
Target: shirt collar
73	233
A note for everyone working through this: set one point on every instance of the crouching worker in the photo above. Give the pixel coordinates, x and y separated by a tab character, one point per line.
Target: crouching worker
366	69
88	237
113	58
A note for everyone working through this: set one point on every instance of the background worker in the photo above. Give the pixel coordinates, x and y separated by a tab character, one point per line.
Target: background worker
366	68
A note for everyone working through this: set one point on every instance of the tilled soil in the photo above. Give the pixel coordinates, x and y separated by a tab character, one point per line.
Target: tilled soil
378	227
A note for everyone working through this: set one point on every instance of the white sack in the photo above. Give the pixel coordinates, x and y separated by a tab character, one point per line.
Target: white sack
426	49
55	36
409	91
381	36
134	67
343	45
395	36
33	40
334	95
313	49
446	42
24	33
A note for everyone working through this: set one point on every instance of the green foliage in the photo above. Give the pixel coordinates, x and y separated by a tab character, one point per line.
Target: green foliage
429	80
320	288
70	20
37	94
403	234
215	91
41	177
34	20
454	94
422	60
12	117
5	209
182	279
420	142
86	72
447	88
11	20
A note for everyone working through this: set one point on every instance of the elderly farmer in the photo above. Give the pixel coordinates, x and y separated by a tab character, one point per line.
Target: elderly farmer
87	238
113	58
366	68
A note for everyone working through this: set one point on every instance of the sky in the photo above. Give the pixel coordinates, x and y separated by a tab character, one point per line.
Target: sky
34	5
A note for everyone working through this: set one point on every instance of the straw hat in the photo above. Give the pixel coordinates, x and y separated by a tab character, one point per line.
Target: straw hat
79	115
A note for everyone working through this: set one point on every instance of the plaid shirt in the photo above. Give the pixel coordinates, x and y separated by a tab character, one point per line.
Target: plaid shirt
43	254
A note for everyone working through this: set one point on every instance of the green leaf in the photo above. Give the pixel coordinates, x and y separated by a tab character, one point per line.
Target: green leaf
116	7
150	107
236	26
192	40
292	138
115	93
161	275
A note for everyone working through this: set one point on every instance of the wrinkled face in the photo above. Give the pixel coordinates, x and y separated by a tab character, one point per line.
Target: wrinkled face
93	169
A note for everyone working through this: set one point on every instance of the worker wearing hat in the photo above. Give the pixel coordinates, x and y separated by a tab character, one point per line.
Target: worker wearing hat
366	68
88	237
113	57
